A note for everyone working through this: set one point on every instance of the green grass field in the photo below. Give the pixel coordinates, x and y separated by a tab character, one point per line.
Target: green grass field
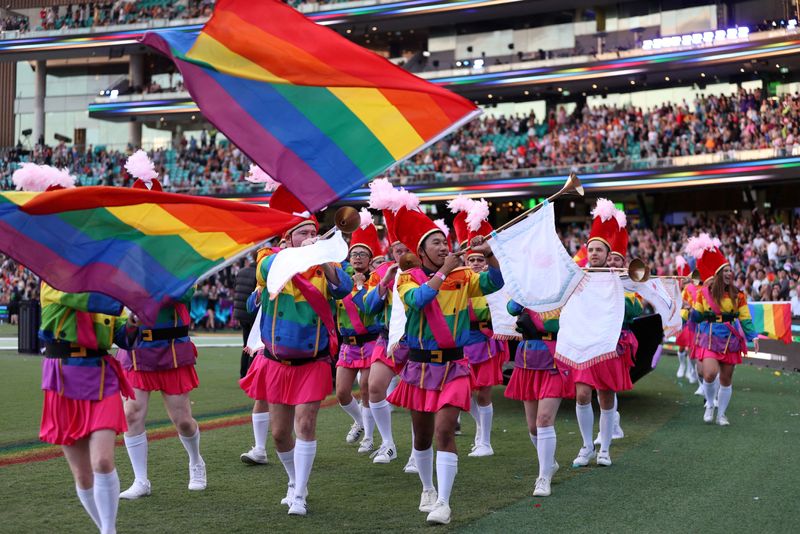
671	472
8	330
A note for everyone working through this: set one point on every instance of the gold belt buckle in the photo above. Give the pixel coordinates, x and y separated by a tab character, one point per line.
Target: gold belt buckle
77	351
548	337
437	356
352	340
147	335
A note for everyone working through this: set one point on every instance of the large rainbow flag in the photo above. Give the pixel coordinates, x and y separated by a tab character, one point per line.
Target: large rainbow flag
140	247
773	319
320	114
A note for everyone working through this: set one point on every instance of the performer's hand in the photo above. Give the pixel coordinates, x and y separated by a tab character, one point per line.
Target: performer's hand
450	262
480	244
390	275
359	279
755	344
309	241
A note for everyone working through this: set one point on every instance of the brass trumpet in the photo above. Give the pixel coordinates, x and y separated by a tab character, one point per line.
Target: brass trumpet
636	270
345	219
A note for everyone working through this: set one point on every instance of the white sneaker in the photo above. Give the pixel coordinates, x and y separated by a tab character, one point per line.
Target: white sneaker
691	374
681	370
355	433
481	450
365	446
542	487
554	469
197	477
618	433
384	455
411	466
298	506
287	501
699	391
427	501
440	515
604	459
723	420
254	457
584	457
708	415
137	489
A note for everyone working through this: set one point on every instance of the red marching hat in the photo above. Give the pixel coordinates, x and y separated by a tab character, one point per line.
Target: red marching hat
388	219
283	200
605	225
476	223
413	227
140	167
682	266
366	235
705	250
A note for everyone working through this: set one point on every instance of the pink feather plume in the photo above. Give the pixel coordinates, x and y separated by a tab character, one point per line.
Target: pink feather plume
460	203
478	212
404	199
622	219
442	226
37	178
257	175
140	166
696	246
382	194
604	209
680	261
366	218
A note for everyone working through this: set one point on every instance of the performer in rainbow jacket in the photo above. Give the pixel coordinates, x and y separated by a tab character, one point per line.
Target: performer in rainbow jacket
435	381
610	373
360	329
162	359
540	382
724	325
299	334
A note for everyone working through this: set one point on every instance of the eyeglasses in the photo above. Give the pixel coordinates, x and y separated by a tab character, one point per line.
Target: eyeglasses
359	255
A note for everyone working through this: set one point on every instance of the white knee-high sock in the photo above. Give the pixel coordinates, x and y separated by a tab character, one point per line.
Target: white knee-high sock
304	454
261	430
446	469
354	410
616	404
106	498
534	439
86	497
392	385
382	413
137	452
474	412
716	386
709	390
287	459
485	414
424	461
681	357
606	428
585	416
369	422
725	393
192	446
546	450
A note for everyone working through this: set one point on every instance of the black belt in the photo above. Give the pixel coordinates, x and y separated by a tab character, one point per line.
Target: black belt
361	340
435	356
161	334
546	336
292	363
71	350
480	325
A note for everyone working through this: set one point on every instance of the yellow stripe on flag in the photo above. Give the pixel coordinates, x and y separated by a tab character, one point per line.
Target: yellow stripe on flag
152	219
384	120
209	50
769	321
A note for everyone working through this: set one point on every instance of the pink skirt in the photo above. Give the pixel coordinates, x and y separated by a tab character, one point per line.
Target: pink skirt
278	383
487	373
455	393
355	357
395	364
538	384
685	338
175	381
612	374
730	358
65	420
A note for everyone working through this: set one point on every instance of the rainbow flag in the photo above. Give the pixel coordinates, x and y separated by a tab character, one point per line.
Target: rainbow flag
773	319
140	247
320	114
581	257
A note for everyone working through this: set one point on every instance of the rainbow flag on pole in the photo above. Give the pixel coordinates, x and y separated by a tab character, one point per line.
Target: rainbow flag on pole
140	247
773	319
319	113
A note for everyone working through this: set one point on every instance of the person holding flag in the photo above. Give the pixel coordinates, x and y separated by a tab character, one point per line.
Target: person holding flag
435	382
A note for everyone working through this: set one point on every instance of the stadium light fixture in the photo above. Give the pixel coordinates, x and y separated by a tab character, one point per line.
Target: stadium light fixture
743	31
477	64
458	63
666	78
686	40
702	74
656	43
647	44
719	35
708	37
732	33
426	53
697	38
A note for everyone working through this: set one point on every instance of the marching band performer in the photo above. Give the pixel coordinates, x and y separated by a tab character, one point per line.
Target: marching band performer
299	334
360	330
685	340
162	359
724	325
610	374
540	382
435	381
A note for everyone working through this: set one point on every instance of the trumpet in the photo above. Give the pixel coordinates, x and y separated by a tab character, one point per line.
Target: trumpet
345	219
638	272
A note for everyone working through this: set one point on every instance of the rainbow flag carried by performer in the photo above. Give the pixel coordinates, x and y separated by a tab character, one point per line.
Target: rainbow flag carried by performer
140	247
320	114
773	319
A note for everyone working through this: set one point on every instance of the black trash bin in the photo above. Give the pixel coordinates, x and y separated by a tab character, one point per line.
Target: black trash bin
30	317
